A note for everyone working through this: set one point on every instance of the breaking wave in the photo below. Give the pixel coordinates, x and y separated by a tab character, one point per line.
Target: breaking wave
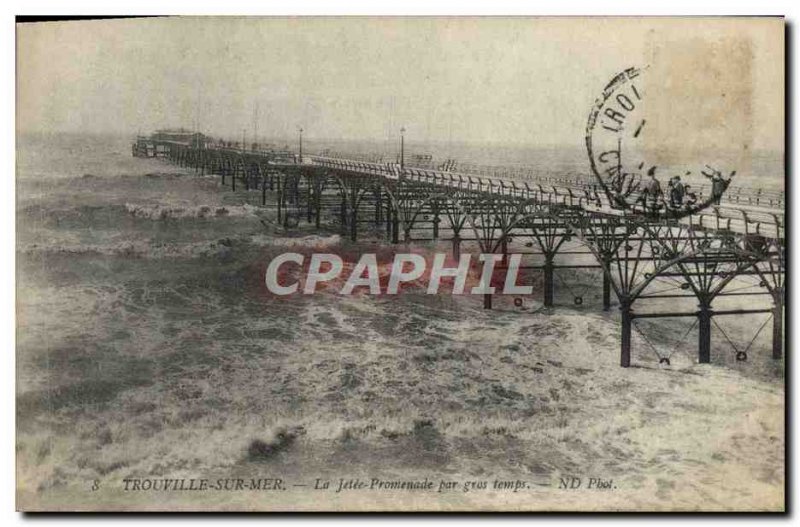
153	249
164	212
314	241
139	249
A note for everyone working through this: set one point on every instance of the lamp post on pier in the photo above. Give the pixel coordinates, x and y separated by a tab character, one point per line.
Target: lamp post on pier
402	146
300	130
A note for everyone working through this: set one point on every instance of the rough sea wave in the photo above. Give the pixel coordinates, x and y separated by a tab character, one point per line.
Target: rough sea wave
148	347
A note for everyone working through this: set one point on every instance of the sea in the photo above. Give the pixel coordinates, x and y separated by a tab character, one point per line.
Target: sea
147	347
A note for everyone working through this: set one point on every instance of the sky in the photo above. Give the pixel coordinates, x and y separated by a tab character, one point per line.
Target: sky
482	80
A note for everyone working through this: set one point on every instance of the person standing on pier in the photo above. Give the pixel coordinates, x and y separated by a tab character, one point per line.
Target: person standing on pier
652	190
691	197
718	183
676	191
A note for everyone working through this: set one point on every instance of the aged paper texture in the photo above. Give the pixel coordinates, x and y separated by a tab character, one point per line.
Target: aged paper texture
400	264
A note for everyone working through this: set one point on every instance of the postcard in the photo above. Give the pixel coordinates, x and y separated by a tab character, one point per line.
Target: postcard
401	264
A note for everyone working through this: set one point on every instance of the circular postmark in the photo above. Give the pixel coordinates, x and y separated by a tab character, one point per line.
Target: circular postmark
615	142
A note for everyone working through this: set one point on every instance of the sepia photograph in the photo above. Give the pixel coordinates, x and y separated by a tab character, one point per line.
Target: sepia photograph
401	264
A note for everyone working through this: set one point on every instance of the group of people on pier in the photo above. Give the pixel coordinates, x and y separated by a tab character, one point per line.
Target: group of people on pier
681	195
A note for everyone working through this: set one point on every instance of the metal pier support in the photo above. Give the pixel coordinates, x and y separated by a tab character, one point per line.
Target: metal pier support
627	324
606	292
548	281
395	227
704	342
777	328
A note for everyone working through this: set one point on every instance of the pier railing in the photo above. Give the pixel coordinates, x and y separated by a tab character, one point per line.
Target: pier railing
735	194
742	209
732	215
